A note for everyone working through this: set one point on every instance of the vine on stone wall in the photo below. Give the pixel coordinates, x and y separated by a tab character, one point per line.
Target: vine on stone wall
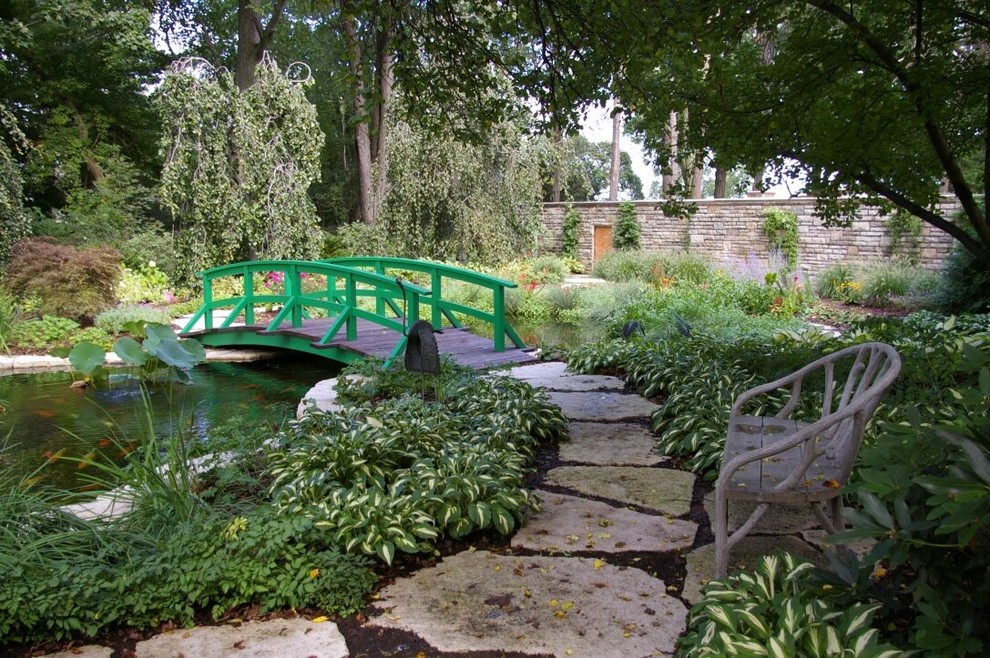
626	234
904	231
781	230
238	164
571	231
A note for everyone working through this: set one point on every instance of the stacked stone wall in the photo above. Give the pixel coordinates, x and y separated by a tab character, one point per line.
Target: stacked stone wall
729	230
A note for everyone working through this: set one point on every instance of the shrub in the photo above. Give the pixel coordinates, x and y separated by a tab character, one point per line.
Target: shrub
686	267
150	245
626	266
70	282
626	236
964	286
44	334
548	269
144	283
8	318
113	320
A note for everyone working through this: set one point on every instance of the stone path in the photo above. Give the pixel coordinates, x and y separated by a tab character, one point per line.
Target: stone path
568	586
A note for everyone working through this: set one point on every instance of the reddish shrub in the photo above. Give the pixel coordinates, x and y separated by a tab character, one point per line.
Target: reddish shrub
66	281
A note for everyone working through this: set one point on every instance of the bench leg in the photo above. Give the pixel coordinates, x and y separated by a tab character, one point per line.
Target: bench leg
721	529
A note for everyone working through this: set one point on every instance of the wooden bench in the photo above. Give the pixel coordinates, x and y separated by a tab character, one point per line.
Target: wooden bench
775	459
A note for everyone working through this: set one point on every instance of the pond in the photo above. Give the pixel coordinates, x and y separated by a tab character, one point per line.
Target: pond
46	421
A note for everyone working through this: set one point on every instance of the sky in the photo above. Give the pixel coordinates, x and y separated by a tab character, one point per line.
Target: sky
598	128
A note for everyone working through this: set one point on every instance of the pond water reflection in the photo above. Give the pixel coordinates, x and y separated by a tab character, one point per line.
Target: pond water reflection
48	421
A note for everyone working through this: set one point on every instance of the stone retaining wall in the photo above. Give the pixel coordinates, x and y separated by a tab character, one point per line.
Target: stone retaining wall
728	230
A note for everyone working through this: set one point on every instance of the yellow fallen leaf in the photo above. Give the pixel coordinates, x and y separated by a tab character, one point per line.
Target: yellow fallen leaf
567	605
554	603
599	564
569	652
559	614
320	619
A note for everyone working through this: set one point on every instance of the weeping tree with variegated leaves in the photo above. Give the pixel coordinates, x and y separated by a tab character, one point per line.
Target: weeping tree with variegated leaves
238	164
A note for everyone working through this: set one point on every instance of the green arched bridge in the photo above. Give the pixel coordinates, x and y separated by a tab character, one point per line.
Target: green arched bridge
348	308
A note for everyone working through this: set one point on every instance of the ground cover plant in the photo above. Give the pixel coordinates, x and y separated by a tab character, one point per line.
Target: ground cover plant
921	488
290	518
412	458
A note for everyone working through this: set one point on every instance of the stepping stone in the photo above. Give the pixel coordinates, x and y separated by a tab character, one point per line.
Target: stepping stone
323	395
569	524
87	651
602	405
744	555
286	638
780	519
661	489
479	601
610	444
552	376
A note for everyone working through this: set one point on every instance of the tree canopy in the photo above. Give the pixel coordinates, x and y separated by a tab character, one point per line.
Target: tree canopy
867	102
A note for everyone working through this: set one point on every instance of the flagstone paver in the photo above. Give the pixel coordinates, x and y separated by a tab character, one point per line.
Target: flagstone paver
285	638
552	375
570	524
610	444
565	606
661	489
594	405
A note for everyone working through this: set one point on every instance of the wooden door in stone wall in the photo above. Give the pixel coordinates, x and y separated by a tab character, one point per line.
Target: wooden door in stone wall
603	242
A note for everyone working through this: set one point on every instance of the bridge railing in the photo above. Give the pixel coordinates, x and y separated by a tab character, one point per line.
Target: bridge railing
440	308
340	297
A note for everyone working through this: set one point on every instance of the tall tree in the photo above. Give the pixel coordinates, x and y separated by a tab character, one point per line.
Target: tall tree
74	73
868	102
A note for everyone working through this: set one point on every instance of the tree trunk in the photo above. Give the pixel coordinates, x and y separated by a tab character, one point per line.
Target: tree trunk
380	144
558	139
670	139
721	177
613	183
696	181
249	44
362	131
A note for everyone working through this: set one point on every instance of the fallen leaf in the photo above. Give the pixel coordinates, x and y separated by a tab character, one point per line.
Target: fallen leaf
599	564
320	619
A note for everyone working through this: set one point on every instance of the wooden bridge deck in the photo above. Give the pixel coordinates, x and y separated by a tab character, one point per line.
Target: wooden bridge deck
461	345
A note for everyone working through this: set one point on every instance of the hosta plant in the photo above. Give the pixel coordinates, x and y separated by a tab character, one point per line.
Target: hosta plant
394	474
776	611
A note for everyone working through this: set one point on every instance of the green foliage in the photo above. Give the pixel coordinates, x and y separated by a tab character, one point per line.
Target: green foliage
397	473
66	577
454	198
151	244
571	237
893	282
838	282
145	283
160	353
924	494
44	334
15	223
584	170
626	266
904	231
238	165
76	283
114	320
9	318
964	284
774	610
626	235
781	230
